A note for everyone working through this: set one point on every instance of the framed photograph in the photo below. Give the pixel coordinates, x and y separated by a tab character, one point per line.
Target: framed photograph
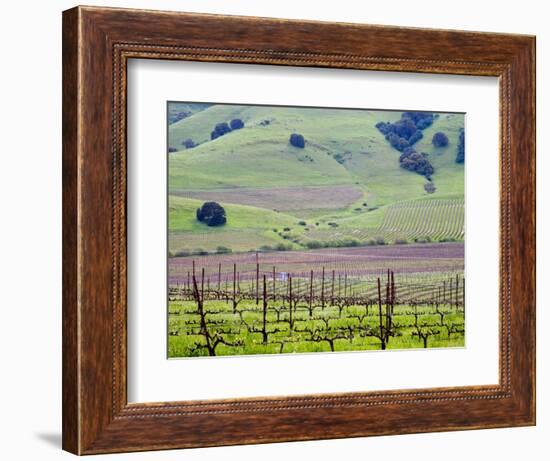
284	230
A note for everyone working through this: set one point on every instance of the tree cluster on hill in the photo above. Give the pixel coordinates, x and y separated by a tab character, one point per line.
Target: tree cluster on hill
417	162
440	139
212	214
407	130
460	147
236	124
429	187
172	149
297	140
173	118
403	134
188	143
223	128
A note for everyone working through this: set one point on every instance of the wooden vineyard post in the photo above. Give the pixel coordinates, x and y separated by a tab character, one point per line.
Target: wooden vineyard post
219	279
202	284
382	334
264	331
451	293
345	284
388	308
310	293
332	290
234	287
323	289
392	293
257	279
456	291
273	283
290	304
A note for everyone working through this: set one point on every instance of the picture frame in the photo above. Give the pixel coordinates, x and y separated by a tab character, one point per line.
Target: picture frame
97	45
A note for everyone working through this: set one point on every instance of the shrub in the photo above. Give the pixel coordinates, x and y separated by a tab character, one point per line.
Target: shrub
416	136
418	163
398	142
172	149
297	140
221	250
219	130
312	245
212	214
236	124
422	120
200	252
339	158
286	229
380	240
222	128
404	128
384	127
407	130
440	139
188	143
182	253
283	247
426	239
265	248
349	243
302	223
401	241
429	187
173	118
460	147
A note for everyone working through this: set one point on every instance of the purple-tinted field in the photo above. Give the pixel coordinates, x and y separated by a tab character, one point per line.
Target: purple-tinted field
431	259
285	198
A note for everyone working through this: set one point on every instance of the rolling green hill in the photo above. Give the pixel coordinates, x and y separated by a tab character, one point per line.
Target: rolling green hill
347	177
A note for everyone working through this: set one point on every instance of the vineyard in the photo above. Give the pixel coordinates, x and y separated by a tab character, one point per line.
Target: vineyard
437	219
265	311
409	221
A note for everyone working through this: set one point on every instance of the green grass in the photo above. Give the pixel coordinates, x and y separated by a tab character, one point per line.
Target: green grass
428	218
188	109
260	156
184	331
247	228
343	148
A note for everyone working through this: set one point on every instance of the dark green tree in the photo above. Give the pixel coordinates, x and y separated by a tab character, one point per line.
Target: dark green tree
460	147
297	140
440	139
212	214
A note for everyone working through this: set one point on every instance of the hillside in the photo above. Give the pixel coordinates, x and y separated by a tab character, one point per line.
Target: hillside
347	177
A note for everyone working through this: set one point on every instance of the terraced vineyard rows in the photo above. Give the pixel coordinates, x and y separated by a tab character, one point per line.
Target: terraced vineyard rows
410	221
436	219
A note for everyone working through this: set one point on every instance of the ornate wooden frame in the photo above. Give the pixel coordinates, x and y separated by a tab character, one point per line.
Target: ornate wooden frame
97	43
